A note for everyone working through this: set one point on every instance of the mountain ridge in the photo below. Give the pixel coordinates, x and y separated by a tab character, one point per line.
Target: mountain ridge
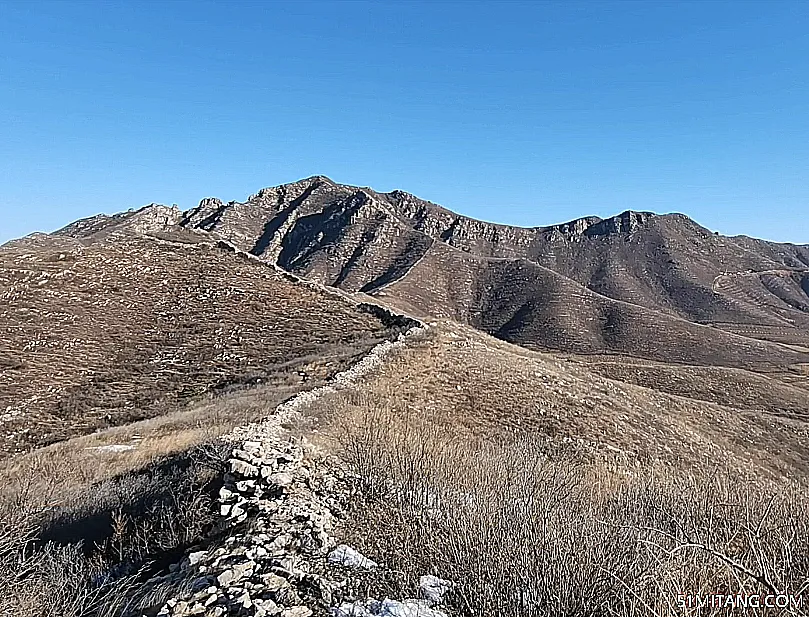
637	272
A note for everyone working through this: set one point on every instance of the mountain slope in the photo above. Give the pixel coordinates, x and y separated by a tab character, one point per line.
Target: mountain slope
636	283
464	384
104	332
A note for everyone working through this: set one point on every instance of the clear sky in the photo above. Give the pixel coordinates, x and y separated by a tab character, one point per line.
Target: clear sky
521	113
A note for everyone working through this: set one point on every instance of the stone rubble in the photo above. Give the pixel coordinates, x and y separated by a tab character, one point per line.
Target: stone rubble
386	608
279	557
433	589
346	556
279	504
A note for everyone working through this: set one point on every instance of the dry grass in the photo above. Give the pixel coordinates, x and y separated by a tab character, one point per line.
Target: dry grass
539	486
523	532
113	332
469	383
92	554
130	357
56	473
723	386
83	528
542	488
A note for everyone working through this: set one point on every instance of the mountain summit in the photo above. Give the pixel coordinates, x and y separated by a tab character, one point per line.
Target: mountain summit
657	286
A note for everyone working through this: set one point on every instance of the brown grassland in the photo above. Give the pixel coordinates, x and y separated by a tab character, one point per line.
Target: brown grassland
545	489
121	364
542	484
106	333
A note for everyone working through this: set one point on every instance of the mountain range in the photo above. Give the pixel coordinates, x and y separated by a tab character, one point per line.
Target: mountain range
626	372
660	287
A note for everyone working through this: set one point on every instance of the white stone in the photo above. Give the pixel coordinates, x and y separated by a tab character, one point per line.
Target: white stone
238	466
407	608
432	588
346	556
296	611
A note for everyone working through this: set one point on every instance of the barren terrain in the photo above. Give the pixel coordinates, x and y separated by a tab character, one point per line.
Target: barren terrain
108	332
654	286
589	419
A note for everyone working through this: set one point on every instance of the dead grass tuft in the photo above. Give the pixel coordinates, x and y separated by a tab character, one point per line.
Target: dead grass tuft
526	533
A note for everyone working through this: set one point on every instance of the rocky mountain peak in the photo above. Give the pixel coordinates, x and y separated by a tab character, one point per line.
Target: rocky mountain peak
515	282
205	215
155	217
626	222
148	219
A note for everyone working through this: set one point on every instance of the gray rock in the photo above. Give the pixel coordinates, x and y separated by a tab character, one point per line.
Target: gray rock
280	479
357	609
253	448
265	608
296	611
235	574
433	589
344	555
241	468
273	582
244	600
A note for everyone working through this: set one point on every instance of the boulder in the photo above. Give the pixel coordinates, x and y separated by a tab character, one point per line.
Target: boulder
344	555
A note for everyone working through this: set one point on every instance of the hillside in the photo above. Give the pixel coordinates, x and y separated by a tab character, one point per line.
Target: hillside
657	286
142	347
547	461
467	385
120	327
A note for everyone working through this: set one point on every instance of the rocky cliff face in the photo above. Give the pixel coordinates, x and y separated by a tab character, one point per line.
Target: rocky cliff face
667	269
149	219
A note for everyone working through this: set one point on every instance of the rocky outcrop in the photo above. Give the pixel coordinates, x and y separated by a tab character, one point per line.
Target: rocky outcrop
147	220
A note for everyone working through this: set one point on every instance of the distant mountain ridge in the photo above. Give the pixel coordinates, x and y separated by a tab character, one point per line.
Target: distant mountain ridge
657	286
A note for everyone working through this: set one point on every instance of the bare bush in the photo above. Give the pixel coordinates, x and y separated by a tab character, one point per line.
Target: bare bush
524	534
93	555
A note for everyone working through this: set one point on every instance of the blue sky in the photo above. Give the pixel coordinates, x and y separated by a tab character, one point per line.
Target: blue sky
521	113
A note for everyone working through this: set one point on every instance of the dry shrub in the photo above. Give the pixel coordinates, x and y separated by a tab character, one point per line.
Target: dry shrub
87	527
523	533
92	555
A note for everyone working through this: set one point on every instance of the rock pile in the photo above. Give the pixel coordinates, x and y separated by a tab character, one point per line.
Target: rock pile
275	504
279	505
279	557
431	591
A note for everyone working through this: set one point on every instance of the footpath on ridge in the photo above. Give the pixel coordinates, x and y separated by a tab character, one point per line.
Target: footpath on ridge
279	506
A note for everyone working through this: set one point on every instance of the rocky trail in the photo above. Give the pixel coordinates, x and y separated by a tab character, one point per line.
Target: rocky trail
280	505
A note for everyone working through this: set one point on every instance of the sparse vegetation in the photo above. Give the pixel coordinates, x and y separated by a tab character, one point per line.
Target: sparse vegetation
526	533
541	484
106	333
83	528
93	553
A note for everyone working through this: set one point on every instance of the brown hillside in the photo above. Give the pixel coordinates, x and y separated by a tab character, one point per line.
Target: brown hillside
107	332
466	384
657	286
